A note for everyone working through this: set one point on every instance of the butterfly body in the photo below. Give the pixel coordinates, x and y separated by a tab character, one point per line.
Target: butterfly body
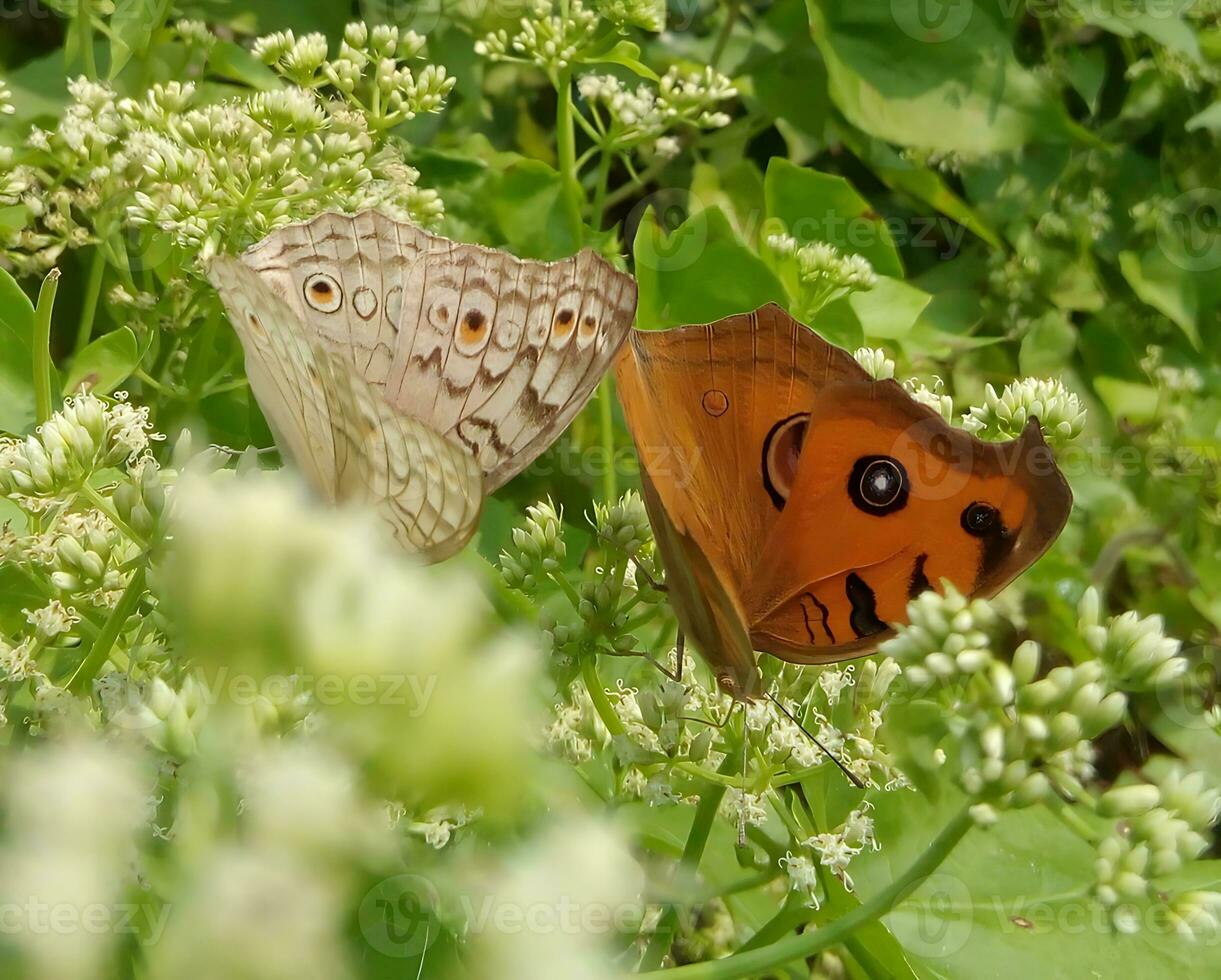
414	373
815	502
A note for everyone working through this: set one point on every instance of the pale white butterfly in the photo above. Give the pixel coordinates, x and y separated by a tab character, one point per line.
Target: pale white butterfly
414	373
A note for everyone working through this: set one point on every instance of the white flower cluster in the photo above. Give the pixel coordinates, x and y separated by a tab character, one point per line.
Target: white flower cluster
648	14
627	119
85	435
1071	216
320	141
368	71
549	39
834	850
818	273
6	100
1174	379
933	397
195	33
1004	416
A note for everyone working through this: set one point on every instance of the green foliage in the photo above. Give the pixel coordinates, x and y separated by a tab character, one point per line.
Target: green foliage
276	749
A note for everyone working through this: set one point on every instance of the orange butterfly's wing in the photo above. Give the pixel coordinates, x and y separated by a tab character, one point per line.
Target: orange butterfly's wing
810	503
700	402
838	568
708	612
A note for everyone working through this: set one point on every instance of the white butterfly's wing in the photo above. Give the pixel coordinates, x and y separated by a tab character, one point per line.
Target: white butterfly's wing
349	443
497	353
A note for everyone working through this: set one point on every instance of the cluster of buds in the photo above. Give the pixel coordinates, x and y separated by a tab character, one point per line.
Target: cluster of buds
1161	826
629	119
87	434
194	33
1017	736
933	397
623	525
170	720
647	14
1004	416
550	40
1075	217
875	362
1137	653
818	273
140	502
369	73
538	548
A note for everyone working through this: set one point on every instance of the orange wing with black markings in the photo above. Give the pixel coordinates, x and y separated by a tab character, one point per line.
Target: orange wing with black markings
820	500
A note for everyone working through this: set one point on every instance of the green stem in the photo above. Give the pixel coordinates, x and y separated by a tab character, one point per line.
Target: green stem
600	186
100	651
759	961
597	694
89	302
722	40
625	191
606	422
84	36
566	135
42	345
693	850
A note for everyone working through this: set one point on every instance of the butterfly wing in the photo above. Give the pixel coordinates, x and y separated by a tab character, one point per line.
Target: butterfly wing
708	611
889	500
495	353
702	403
349	443
755	433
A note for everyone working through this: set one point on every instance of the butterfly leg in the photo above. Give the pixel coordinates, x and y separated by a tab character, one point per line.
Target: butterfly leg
653	583
680	646
646	656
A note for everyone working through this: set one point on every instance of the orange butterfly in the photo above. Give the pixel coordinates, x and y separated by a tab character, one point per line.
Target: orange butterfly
799	505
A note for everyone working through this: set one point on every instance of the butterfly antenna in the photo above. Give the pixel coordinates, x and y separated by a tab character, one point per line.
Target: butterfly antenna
808	734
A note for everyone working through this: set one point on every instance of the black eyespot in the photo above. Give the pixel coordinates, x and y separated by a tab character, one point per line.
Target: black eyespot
980	519
878	485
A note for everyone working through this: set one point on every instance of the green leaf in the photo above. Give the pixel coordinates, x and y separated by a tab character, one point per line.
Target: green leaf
1165	286
936	75
1137	403
1013	902
1047	346
890	309
105	363
131	29
1209	119
699	273
17	408
818	207
920	182
625	53
1086	69
537	214
232	61
1159	20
